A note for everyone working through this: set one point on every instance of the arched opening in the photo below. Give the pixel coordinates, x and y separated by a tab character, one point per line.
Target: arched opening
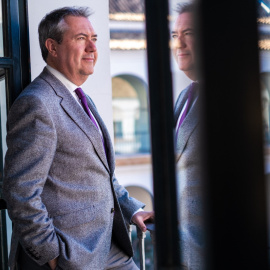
130	115
142	195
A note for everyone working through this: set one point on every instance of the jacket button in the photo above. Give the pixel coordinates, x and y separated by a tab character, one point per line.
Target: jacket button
112	210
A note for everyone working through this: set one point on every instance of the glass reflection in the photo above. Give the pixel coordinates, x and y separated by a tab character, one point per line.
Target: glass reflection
264	50
3	147
187	135
1	31
3	118
264	53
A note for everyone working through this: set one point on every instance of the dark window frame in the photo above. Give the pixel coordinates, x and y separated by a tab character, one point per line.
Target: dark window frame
16	62
16	46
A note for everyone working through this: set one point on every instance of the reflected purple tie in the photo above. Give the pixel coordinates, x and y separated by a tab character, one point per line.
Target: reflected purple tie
191	93
83	99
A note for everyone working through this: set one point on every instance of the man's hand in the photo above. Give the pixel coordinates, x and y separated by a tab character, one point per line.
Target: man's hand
53	263
141	217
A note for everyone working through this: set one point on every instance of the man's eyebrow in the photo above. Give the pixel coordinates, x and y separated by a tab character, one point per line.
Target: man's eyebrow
188	29
85	35
185	30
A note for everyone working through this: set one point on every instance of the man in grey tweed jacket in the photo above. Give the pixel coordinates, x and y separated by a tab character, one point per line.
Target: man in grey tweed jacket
68	210
188	144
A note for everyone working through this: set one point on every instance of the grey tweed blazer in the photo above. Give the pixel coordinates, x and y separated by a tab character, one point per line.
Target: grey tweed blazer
189	183
60	188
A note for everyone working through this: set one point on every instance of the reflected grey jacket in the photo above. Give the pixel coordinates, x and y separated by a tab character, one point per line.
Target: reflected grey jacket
189	184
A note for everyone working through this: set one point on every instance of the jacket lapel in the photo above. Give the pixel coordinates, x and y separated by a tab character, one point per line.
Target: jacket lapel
106	135
189	124
77	114
180	104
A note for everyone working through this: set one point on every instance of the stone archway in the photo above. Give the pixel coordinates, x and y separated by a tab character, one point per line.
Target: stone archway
130	115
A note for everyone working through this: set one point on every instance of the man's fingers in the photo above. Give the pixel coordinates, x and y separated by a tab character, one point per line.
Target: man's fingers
141	225
140	217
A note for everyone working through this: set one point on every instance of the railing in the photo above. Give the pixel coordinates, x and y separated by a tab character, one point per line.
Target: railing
138	142
141	243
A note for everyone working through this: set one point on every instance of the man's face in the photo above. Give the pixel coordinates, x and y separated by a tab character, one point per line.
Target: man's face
183	44
76	56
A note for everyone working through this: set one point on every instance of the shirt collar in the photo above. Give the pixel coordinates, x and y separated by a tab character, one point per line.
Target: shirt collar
67	83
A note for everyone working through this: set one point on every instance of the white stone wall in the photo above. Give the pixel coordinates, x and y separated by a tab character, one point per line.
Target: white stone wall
98	85
132	62
135	175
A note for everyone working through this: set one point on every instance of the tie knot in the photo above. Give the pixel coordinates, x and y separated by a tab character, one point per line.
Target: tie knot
80	93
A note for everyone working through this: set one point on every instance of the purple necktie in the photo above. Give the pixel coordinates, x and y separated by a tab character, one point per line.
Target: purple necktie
191	93
83	99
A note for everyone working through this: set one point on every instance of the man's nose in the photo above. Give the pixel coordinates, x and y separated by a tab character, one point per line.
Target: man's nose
91	46
180	43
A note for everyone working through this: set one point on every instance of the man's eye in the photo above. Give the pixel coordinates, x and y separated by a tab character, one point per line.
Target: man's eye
174	36
189	33
81	38
94	39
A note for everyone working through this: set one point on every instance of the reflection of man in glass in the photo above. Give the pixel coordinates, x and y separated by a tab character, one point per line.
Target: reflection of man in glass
187	142
265	111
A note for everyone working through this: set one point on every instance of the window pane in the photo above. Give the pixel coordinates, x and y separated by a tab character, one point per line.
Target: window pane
264	51
3	118
5	228
1	31
130	105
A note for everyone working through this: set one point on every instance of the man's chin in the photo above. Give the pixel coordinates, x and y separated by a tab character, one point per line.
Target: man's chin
87	72
183	67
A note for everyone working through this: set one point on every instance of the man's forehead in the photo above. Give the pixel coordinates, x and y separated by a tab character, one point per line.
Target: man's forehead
184	21
77	20
79	24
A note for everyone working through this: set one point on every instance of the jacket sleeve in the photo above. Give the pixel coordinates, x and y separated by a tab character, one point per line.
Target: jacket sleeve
31	142
129	205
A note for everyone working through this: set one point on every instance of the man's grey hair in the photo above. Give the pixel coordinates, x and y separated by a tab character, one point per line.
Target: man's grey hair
51	25
184	7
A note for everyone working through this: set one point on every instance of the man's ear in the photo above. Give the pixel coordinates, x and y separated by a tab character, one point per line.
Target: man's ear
51	45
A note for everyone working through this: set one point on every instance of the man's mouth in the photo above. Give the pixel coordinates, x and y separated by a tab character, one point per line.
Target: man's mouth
182	54
89	58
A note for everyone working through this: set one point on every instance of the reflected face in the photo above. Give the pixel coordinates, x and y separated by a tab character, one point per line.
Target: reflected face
183	44
76	56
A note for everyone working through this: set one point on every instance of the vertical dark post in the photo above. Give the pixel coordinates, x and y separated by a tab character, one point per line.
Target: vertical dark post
233	142
161	110
3	241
